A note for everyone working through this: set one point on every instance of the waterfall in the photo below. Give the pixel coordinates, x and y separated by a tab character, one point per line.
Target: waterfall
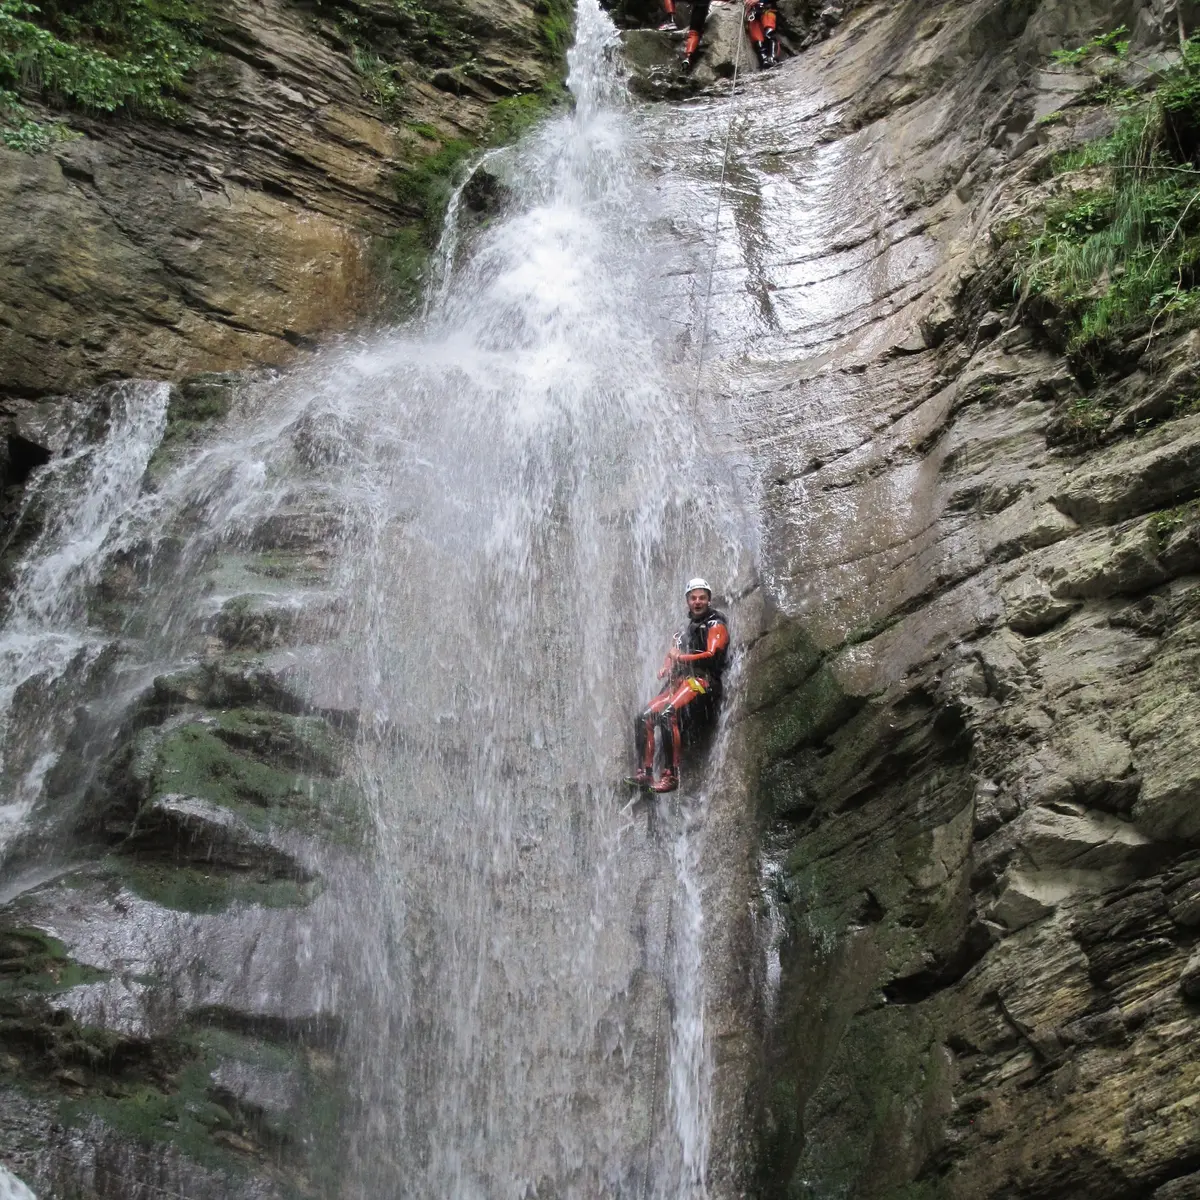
509	495
86	498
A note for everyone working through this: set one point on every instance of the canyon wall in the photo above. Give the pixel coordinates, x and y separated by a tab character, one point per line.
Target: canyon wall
976	693
287	197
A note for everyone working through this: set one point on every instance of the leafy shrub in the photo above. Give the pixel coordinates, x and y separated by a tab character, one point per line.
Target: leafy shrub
1115	43
101	55
382	82
20	131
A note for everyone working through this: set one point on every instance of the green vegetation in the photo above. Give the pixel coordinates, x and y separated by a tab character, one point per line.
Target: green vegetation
556	23
1120	256
217	760
433	28
427	185
382	81
1084	420
20	131
182	1105
1163	524
33	961
513	117
195	890
97	55
1115	43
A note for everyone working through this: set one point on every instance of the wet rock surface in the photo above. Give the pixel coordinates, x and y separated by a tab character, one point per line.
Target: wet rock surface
974	697
969	716
158	1027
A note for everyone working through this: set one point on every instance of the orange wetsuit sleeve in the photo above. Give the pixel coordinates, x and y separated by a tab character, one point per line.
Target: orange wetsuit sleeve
718	640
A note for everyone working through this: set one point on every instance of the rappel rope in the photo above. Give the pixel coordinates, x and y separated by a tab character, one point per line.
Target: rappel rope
712	261
662	1004
712	266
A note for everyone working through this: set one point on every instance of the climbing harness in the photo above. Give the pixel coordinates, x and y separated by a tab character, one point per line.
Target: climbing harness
662	1003
712	261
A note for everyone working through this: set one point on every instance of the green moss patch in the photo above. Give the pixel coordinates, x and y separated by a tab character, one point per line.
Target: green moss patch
229	1100
221	1126
813	710
514	116
556	26
32	961
302	743
425	187
196	759
193	889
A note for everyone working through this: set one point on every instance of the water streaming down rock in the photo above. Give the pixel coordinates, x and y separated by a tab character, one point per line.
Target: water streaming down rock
81	503
552	490
481	526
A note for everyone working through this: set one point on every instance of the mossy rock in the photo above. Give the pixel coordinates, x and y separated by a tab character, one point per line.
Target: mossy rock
195	405
197	759
33	961
254	623
816	708
227	1098
210	1109
223	684
195	889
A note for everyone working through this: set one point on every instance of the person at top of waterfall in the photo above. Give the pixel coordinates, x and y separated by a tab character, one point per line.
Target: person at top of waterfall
761	17
687	704
691	47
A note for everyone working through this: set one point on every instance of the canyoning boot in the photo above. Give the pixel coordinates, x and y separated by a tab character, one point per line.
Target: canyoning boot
668	26
770	54
642	778
691	48
668	781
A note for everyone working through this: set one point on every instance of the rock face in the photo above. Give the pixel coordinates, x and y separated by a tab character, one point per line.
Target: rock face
267	214
974	698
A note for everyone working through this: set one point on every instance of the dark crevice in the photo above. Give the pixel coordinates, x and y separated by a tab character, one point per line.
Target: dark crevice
913	989
22	458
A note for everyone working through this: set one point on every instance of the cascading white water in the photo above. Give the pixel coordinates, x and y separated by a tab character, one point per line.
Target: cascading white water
88	495
513	491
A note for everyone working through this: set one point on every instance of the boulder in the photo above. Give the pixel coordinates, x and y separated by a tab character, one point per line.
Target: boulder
654	57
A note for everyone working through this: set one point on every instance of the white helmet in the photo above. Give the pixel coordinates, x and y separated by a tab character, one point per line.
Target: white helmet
693	584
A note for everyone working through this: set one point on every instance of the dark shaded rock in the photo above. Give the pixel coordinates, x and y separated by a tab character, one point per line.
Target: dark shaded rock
485	194
188	829
1189	981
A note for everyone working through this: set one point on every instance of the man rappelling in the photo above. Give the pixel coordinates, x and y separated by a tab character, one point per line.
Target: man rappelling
687	705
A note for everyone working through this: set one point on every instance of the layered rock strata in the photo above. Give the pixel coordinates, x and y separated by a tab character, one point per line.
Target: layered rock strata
267	214
167	929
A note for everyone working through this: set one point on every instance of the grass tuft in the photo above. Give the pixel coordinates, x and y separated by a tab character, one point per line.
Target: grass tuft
1121	255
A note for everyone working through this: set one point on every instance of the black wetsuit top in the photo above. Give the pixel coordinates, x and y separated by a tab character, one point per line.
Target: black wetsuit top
693	639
